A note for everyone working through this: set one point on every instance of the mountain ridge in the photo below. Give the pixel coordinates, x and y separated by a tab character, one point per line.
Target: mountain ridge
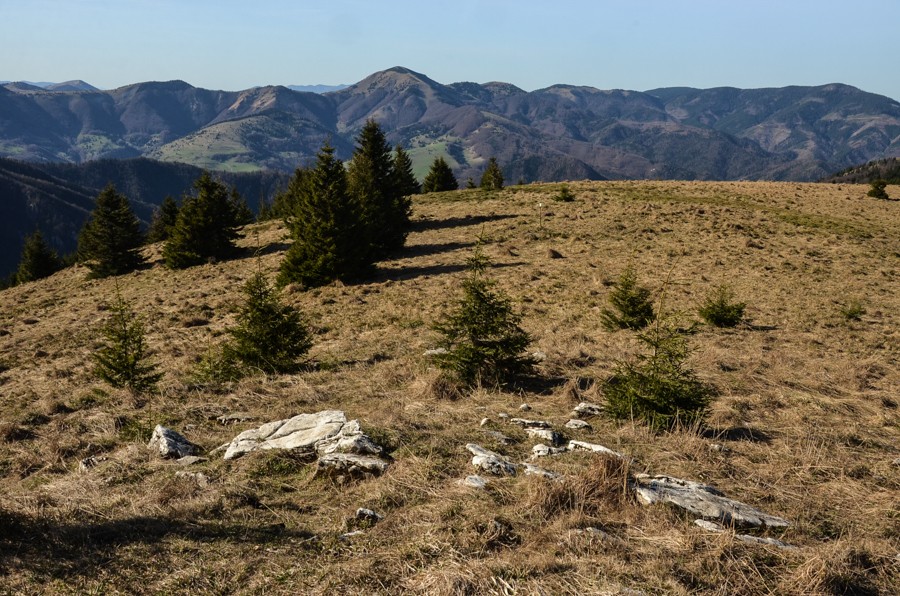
786	133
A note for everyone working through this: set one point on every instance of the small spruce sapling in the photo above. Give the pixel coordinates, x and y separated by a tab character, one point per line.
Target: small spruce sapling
121	361
631	303
269	336
720	309
482	340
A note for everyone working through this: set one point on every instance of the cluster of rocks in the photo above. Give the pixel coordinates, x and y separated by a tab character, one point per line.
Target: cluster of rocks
716	512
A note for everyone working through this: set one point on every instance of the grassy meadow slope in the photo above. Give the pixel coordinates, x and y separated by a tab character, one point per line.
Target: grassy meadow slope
806	424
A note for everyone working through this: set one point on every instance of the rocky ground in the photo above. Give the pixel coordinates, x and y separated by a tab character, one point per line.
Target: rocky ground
360	474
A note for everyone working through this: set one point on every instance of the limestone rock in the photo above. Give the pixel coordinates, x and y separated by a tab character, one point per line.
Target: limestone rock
499	437
324	432
484	422
524	408
526	423
541	450
586	410
474	481
491	462
533	470
170	444
576	424
435	352
538	356
334	464
368	515
702	500
719	528
235	417
90	462
551	436
190	460
582	445
200	478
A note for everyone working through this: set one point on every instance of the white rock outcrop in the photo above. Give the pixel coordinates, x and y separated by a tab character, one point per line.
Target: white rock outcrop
491	462
321	433
171	444
702	500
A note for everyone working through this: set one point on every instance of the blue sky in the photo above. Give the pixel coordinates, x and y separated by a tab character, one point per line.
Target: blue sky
625	44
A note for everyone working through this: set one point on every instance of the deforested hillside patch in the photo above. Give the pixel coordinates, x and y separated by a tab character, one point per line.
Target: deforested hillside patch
435	496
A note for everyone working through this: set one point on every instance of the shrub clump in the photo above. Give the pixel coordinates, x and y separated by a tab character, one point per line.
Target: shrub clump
720	310
632	307
877	189
482	341
658	387
565	195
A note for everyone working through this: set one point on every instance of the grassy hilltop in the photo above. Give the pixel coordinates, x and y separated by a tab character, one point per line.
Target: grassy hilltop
805	425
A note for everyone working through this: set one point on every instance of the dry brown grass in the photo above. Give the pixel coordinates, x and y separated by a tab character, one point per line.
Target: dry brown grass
807	412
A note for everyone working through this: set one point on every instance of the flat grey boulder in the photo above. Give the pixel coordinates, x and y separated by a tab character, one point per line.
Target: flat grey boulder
474	481
490	462
593	447
702	500
350	464
169	443
322	433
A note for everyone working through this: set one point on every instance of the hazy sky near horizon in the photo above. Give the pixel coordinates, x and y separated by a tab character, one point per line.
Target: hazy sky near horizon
636	44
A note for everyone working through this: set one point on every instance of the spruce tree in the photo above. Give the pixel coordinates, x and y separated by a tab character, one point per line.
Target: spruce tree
38	260
207	224
164	218
326	227
121	361
440	177
284	204
492	179
877	189
404	179
482	340
269	336
110	241
372	182
632	304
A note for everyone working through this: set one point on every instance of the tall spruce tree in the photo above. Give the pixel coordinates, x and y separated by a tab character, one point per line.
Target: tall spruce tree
207	224
164	218
372	182
492	179
110	241
440	177
404	179
38	260
326	226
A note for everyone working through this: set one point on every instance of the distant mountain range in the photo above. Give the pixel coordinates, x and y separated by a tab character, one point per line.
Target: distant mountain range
561	132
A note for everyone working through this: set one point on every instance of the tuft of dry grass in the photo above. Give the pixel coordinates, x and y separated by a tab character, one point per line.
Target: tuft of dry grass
805	425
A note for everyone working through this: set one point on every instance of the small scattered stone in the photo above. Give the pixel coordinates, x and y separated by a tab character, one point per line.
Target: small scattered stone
524	408
350	535
368	515
541	450
551	436
90	462
499	437
586	410
533	470
491	462
350	464
718	447
524	422
474	481
554	254
503	416
190	460
484	422
170	444
576	424
584	446
538	356
747	538
200	478
435	352
235	417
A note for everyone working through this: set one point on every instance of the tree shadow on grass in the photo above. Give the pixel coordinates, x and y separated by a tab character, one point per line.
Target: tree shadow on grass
382	274
62	550
421	225
737	433
423	250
